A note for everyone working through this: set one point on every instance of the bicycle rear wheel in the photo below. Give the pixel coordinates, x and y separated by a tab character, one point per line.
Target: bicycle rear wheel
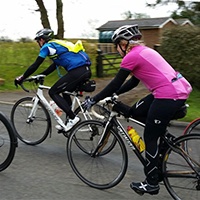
102	171
8	142
103	114
30	131
180	179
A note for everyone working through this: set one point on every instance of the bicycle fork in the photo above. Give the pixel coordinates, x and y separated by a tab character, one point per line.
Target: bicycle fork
103	140
33	110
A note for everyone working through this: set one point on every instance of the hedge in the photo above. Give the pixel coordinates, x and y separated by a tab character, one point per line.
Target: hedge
181	48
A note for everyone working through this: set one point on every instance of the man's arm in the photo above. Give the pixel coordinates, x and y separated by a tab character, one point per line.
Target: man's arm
33	67
49	70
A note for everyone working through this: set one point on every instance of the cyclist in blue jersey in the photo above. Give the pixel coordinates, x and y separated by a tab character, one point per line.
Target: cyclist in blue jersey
73	58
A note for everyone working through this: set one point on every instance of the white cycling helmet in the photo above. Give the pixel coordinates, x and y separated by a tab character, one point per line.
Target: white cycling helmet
126	32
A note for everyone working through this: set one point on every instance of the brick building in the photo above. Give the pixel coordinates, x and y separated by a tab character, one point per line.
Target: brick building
151	29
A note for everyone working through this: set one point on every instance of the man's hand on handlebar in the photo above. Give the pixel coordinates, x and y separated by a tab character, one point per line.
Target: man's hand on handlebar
18	80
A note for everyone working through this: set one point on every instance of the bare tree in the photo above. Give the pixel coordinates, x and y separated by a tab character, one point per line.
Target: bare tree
43	14
59	16
45	19
129	15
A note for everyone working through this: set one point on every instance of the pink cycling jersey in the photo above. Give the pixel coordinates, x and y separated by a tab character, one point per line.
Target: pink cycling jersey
156	74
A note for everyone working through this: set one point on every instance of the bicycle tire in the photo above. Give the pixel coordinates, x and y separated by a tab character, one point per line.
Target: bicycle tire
179	178
103	112
8	142
30	132
104	170
193	127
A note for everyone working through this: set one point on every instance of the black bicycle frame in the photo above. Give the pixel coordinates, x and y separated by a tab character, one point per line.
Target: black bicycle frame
127	138
113	122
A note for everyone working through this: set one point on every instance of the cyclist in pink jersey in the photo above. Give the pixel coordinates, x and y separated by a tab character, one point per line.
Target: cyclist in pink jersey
169	91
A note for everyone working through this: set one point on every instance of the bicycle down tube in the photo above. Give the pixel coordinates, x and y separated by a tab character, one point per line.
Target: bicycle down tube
113	120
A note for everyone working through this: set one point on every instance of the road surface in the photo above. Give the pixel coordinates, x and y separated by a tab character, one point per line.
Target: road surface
43	173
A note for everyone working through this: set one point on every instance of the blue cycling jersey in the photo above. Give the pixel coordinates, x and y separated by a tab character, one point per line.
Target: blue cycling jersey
61	56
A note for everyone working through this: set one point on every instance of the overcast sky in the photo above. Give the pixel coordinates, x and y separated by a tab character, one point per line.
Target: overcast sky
18	18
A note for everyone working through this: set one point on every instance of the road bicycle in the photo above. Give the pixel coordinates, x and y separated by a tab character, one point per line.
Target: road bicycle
8	142
30	115
179	166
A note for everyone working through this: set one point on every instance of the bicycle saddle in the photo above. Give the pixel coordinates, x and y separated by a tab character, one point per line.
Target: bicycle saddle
181	112
87	86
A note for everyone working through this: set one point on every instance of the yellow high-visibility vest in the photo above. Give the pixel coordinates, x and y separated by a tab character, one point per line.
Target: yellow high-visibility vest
78	46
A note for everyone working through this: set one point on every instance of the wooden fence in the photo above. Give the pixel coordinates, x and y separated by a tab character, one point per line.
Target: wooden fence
107	63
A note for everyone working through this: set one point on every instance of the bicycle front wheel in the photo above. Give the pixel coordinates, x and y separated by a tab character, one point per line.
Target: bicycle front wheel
181	177
30	130
101	171
8	142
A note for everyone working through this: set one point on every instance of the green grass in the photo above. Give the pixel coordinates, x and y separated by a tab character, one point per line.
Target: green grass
194	109
16	57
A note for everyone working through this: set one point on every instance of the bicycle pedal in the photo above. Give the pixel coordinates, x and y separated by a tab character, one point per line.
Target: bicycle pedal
60	131
65	133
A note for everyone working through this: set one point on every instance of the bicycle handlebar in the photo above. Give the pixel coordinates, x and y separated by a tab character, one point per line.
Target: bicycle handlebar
37	79
106	101
22	86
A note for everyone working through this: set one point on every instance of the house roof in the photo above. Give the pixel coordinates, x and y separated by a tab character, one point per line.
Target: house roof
184	21
144	23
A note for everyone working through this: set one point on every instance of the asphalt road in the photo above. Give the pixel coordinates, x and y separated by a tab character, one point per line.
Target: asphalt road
42	172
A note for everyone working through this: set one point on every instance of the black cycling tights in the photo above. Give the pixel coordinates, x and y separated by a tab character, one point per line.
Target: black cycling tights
68	82
160	113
